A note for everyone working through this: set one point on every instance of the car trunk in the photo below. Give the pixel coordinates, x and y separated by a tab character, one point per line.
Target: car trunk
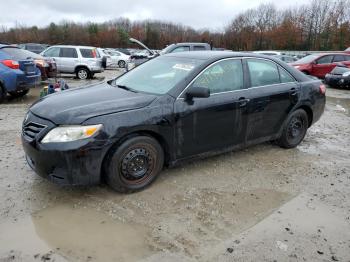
28	67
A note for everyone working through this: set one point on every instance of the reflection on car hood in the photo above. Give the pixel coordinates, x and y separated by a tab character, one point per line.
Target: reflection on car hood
74	106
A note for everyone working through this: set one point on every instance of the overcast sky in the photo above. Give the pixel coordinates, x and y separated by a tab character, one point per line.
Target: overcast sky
212	14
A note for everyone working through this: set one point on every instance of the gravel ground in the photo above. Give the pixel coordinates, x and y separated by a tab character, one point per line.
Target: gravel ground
263	203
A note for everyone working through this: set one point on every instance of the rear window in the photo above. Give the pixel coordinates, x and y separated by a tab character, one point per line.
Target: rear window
68	52
36	48
19	54
89	53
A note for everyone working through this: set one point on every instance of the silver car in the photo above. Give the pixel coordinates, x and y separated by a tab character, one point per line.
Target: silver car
84	61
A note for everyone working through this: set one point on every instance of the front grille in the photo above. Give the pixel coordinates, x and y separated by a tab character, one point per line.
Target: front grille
32	129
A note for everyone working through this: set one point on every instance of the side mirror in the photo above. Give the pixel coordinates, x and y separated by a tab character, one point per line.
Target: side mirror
196	91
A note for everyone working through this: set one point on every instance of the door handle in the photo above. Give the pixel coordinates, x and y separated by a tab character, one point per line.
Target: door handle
293	91
242	101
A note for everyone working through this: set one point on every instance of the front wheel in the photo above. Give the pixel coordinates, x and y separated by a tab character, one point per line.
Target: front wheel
134	164
294	129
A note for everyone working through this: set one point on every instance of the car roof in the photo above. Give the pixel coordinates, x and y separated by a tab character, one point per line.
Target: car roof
73	46
209	55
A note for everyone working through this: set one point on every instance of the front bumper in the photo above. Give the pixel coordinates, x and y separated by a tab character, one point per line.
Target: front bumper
72	163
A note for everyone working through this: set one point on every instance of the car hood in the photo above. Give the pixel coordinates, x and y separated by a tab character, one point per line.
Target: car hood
74	106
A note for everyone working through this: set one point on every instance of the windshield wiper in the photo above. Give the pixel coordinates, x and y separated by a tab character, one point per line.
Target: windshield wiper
126	88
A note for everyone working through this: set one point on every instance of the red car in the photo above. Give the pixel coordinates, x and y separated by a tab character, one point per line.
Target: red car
321	64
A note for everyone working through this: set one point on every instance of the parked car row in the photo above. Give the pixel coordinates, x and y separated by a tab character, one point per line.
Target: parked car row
319	65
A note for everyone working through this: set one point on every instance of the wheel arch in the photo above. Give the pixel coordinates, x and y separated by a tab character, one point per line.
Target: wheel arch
308	110
150	133
81	66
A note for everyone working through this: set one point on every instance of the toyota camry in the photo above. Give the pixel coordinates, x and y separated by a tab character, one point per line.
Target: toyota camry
169	109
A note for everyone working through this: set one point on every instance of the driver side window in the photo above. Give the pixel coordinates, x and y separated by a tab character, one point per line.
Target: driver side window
223	76
325	60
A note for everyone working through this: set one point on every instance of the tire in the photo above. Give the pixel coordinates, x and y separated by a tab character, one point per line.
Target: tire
2	94
83	73
121	64
19	93
134	165
294	129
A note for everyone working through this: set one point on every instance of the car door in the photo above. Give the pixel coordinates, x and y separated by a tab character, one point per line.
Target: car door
54	52
323	66
272	92
219	121
68	59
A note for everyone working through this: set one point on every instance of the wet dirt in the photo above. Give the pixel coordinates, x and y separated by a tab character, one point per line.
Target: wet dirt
232	207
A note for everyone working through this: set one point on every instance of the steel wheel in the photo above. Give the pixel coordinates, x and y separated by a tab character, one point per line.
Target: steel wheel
134	164
294	130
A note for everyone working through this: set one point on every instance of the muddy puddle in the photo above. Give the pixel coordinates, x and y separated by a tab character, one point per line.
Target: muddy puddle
191	222
341	104
63	232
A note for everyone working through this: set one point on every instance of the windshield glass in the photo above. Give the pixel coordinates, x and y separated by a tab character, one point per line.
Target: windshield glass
157	76
166	50
307	59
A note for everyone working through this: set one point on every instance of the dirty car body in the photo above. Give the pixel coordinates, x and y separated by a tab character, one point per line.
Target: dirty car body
207	102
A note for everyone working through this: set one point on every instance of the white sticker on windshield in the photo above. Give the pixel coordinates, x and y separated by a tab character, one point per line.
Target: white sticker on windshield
186	67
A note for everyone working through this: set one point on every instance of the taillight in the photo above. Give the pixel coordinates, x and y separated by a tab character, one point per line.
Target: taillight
11	64
94	53
323	89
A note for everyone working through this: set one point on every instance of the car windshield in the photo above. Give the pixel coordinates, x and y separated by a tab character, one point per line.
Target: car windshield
166	50
157	76
307	59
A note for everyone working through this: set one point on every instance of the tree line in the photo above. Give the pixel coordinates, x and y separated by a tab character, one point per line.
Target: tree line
319	25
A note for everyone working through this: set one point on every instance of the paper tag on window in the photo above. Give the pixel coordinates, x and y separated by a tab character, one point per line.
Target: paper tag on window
186	67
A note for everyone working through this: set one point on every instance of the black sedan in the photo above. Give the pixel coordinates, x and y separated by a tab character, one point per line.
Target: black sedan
169	109
338	77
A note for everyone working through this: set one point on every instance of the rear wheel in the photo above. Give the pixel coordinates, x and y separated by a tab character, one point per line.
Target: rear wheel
294	129
19	93
121	64
83	73
134	164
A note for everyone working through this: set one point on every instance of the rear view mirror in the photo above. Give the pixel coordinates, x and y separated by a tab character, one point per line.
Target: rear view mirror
199	92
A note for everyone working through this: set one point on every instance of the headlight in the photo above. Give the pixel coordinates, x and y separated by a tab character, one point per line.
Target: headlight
296	67
346	74
70	133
